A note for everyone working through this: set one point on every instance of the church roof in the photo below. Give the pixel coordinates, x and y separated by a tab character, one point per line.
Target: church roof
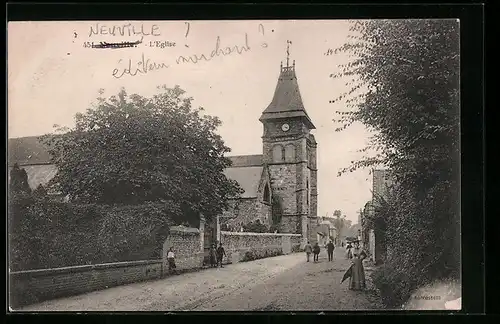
246	160
247	177
247	171
27	151
287	101
39	174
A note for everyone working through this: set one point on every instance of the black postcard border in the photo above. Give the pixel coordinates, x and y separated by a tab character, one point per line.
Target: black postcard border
472	113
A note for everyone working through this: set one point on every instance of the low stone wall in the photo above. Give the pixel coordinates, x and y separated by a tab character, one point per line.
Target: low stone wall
188	247
239	245
32	286
296	242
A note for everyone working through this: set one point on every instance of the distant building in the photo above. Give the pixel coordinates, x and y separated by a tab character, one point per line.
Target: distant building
382	182
367	233
322	230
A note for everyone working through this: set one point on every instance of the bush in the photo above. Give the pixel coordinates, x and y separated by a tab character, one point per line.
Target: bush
255	227
255	254
45	234
393	295
275	228
296	248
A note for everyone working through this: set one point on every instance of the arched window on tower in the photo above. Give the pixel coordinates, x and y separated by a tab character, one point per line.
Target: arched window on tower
290	153
267	194
278	153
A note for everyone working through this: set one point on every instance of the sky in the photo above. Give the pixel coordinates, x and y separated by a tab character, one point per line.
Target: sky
53	74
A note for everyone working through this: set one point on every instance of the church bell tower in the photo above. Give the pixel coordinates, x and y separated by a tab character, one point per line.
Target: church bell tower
289	151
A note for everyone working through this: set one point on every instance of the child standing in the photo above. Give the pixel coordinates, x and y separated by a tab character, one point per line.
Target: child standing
171	260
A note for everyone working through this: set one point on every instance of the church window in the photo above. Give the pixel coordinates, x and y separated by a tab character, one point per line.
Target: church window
290	153
267	194
278	153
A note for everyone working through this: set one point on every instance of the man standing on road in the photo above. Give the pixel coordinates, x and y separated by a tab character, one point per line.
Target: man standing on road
330	247
308	250
221	253
316	251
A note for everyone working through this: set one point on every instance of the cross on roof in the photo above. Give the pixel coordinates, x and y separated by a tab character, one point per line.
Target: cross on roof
288	52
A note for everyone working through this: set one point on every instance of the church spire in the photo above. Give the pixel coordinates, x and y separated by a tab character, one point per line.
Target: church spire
287	101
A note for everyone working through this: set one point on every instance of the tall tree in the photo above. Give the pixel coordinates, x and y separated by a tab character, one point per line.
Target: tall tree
404	85
133	149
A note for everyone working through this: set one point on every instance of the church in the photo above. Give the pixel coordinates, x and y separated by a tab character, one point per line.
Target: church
280	185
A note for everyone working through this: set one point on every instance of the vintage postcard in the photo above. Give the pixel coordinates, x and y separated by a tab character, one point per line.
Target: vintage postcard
273	165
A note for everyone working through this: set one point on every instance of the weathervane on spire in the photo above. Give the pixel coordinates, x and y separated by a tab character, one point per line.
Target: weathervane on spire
288	52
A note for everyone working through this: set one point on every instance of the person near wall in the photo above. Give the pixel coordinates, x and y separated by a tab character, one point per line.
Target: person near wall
308	250
357	279
213	256
330	247
316	250
171	260
221	253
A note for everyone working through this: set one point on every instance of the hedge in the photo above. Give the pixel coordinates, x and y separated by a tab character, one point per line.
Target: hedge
45	234
261	253
422	237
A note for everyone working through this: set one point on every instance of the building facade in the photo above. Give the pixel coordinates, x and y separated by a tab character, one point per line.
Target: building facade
382	182
284	178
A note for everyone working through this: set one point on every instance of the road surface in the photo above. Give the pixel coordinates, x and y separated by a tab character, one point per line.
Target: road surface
282	283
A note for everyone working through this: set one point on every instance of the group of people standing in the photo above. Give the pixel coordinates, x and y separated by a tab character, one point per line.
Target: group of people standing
216	256
315	250
356	271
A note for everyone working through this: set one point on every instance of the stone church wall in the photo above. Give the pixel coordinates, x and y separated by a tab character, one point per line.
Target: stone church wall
291	224
241	211
264	211
283	180
245	211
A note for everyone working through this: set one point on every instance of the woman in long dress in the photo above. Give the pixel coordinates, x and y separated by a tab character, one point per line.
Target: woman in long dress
213	256
357	280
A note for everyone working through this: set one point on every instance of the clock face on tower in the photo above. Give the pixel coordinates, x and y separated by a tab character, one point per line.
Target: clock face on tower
285	127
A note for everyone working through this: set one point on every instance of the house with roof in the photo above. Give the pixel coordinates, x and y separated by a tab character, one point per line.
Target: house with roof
32	156
285	172
322	230
383	180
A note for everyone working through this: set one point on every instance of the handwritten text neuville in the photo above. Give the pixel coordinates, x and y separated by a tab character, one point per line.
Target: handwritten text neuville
125	30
